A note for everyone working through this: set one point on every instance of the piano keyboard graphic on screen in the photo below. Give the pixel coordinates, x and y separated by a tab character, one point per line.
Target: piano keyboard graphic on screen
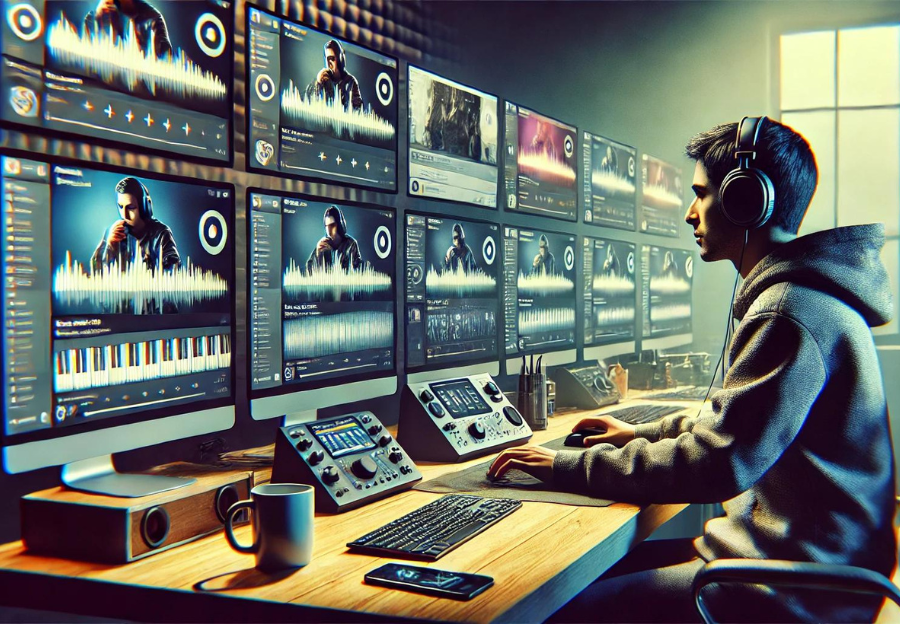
546	319
112	289
112	365
544	284
323	114
113	58
318	284
458	283
315	336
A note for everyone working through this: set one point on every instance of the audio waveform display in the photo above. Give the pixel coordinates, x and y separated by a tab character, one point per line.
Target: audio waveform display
129	362
544	284
614	316
135	286
669	285
533	321
112	58
333	283
317	336
453	325
611	285
545	167
612	182
659	314
322	114
459	284
663	195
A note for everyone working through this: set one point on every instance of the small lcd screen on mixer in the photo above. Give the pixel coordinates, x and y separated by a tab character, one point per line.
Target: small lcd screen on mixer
342	437
460	398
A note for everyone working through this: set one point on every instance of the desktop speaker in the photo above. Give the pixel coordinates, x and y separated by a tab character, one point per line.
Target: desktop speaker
60	522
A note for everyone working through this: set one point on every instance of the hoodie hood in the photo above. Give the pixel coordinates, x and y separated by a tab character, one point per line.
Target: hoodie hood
843	262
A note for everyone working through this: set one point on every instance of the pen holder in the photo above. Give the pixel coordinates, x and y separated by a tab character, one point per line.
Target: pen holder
533	403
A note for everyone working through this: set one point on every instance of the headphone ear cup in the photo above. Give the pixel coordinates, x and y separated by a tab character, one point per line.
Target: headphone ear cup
747	197
148	206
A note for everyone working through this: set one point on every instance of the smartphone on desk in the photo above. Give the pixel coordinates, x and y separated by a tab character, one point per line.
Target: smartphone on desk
456	585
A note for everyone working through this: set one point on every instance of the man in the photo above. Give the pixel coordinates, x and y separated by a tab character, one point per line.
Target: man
459	256
544	263
335	79
136	236
796	445
150	29
337	247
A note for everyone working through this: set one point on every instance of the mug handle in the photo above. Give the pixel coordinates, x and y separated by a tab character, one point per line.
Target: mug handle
229	527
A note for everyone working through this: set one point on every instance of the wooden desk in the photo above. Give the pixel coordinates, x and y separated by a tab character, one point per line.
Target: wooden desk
540	557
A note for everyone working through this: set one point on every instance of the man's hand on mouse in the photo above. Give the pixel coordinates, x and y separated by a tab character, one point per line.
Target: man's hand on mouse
615	431
535	460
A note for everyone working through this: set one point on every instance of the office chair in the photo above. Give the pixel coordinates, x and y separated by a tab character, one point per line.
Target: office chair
827	576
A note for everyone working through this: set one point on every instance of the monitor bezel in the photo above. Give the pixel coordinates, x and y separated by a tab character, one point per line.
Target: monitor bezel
455	364
185	409
329	382
495	209
637	155
312	178
128	147
578	202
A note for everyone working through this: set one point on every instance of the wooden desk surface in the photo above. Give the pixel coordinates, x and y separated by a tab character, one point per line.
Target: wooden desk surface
540	557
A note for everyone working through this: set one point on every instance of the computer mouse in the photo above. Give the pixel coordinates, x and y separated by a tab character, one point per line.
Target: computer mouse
576	438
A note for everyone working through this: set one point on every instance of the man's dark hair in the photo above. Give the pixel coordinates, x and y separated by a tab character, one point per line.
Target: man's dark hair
338	52
782	154
335	213
133	186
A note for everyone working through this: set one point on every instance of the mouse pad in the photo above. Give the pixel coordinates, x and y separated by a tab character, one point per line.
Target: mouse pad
514	484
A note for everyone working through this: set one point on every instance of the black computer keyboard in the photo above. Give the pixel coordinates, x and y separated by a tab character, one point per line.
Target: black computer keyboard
640	414
432	531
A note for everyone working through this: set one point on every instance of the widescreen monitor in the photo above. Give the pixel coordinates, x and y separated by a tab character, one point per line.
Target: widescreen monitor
610	169
319	107
148	75
667	279
453	275
609	269
540	164
321	304
539	295
453	140
662	203
118	310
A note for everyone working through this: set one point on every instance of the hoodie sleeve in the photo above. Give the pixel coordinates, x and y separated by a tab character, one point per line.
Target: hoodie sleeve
776	376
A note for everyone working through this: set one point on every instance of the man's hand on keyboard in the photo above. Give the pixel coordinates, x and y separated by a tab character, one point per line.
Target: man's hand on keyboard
535	460
614	431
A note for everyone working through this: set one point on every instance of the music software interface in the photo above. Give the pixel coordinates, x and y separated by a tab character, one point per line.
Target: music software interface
452	293
610	196
662	209
138	275
540	164
319	107
321	291
609	291
539	290
453	140
154	74
667	276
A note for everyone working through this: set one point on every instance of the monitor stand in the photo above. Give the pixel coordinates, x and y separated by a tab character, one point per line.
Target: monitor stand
296	418
98	476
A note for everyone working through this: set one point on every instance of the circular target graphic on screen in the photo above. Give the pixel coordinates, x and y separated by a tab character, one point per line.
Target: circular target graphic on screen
213	232
265	87
383	242
569	255
384	88
569	146
629	262
631	166
689	266
210	35
25	22
489	250
414	274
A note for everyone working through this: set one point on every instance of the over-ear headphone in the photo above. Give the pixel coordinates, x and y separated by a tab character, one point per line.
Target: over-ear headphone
147	204
342	57
747	194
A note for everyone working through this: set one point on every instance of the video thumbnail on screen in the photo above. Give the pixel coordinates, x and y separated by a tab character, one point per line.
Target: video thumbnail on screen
609	291
610	196
662	210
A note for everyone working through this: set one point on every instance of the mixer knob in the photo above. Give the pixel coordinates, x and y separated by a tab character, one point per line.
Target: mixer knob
477	430
364	467
384	440
316	457
395	456
304	445
330	475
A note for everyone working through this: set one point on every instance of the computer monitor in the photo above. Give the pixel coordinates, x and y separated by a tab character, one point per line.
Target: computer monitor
538	296
610	196
319	107
150	76
452	297
609	269
118	316
453	140
321	304
662	202
540	164
666	281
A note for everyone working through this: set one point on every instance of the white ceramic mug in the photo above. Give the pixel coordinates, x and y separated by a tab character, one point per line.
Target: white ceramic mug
282	521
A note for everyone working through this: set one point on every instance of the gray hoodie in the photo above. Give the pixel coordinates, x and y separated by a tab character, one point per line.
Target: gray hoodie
797	443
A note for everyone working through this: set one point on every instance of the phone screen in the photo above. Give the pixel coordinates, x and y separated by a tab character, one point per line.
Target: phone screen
457	585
